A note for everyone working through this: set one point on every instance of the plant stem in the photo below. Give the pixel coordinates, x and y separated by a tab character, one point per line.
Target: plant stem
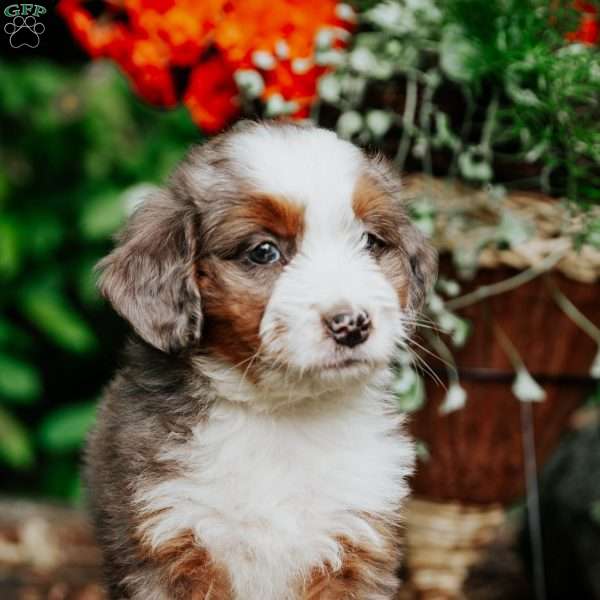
445	354
572	311
485	291
509	348
533	499
408	118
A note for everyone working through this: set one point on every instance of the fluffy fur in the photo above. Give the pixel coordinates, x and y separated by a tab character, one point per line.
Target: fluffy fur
243	453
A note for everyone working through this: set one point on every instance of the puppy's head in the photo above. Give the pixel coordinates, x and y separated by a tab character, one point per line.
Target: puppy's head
279	250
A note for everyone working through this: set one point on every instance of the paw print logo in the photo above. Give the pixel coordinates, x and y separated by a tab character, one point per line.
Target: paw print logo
24	31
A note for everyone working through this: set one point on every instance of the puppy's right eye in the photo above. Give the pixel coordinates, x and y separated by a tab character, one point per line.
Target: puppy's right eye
266	253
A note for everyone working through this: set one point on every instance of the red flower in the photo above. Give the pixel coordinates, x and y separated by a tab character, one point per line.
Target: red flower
211	96
589	25
212	38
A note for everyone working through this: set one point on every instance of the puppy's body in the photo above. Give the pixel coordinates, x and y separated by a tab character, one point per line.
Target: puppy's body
249	450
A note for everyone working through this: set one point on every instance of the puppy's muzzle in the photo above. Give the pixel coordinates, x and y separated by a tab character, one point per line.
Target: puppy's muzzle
348	328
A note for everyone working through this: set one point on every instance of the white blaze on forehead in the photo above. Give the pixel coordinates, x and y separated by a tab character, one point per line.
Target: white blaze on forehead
318	171
311	167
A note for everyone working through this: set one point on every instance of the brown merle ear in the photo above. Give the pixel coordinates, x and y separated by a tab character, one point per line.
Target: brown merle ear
422	259
149	277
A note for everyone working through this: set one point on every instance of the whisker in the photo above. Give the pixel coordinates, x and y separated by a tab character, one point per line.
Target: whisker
431	353
426	369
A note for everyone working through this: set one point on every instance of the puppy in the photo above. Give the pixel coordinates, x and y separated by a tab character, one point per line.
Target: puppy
248	449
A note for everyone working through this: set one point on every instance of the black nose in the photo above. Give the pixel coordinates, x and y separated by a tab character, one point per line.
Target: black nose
349	328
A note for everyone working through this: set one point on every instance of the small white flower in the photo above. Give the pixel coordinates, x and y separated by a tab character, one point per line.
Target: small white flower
454	326
425	224
282	50
522	95
277	105
450	287
249	82
324	38
340	33
353	87
435	304
345	12
457	54
403	357
301	65
422	451
329	88
595	368
460	333
456	398
405	380
420	148
332	58
409	391
386	14
474	165
466	260
349	123
363	60
378	122
526	388
263	60
513	230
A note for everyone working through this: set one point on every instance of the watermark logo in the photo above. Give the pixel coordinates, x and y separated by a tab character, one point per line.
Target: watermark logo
24	29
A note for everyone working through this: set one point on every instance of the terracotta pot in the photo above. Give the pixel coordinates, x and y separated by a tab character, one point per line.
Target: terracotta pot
476	454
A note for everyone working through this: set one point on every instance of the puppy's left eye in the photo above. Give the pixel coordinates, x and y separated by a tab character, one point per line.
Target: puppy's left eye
266	253
372	243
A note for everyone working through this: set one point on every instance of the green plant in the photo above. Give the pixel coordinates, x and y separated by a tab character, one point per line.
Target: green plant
75	146
489	91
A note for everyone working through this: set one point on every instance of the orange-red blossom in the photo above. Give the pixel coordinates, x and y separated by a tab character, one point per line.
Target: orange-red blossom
189	50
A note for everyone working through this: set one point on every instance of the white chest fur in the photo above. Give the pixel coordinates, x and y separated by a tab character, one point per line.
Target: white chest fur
267	495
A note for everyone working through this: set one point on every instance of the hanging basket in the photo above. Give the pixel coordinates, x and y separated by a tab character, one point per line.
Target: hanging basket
443	541
475	454
475	461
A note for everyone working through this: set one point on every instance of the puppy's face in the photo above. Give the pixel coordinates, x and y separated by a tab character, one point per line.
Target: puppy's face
279	250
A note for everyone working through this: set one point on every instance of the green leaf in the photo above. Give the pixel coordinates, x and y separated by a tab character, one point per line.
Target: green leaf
47	308
86	283
16	449
19	381
64	429
42	233
409	389
10	258
11	335
101	216
60	477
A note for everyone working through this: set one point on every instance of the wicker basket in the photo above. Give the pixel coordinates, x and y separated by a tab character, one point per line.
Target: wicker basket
475	462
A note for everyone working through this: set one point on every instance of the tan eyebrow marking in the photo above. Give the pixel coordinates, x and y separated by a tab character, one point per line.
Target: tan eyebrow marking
283	218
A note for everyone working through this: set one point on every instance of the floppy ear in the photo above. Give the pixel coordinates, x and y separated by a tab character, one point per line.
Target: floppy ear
422	257
149	277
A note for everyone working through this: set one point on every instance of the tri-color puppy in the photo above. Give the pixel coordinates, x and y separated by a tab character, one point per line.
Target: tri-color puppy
249	449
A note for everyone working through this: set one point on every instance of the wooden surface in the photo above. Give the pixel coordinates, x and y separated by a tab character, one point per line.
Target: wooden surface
48	553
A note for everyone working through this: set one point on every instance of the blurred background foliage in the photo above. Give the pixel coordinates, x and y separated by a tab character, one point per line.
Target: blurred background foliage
502	91
74	146
489	91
